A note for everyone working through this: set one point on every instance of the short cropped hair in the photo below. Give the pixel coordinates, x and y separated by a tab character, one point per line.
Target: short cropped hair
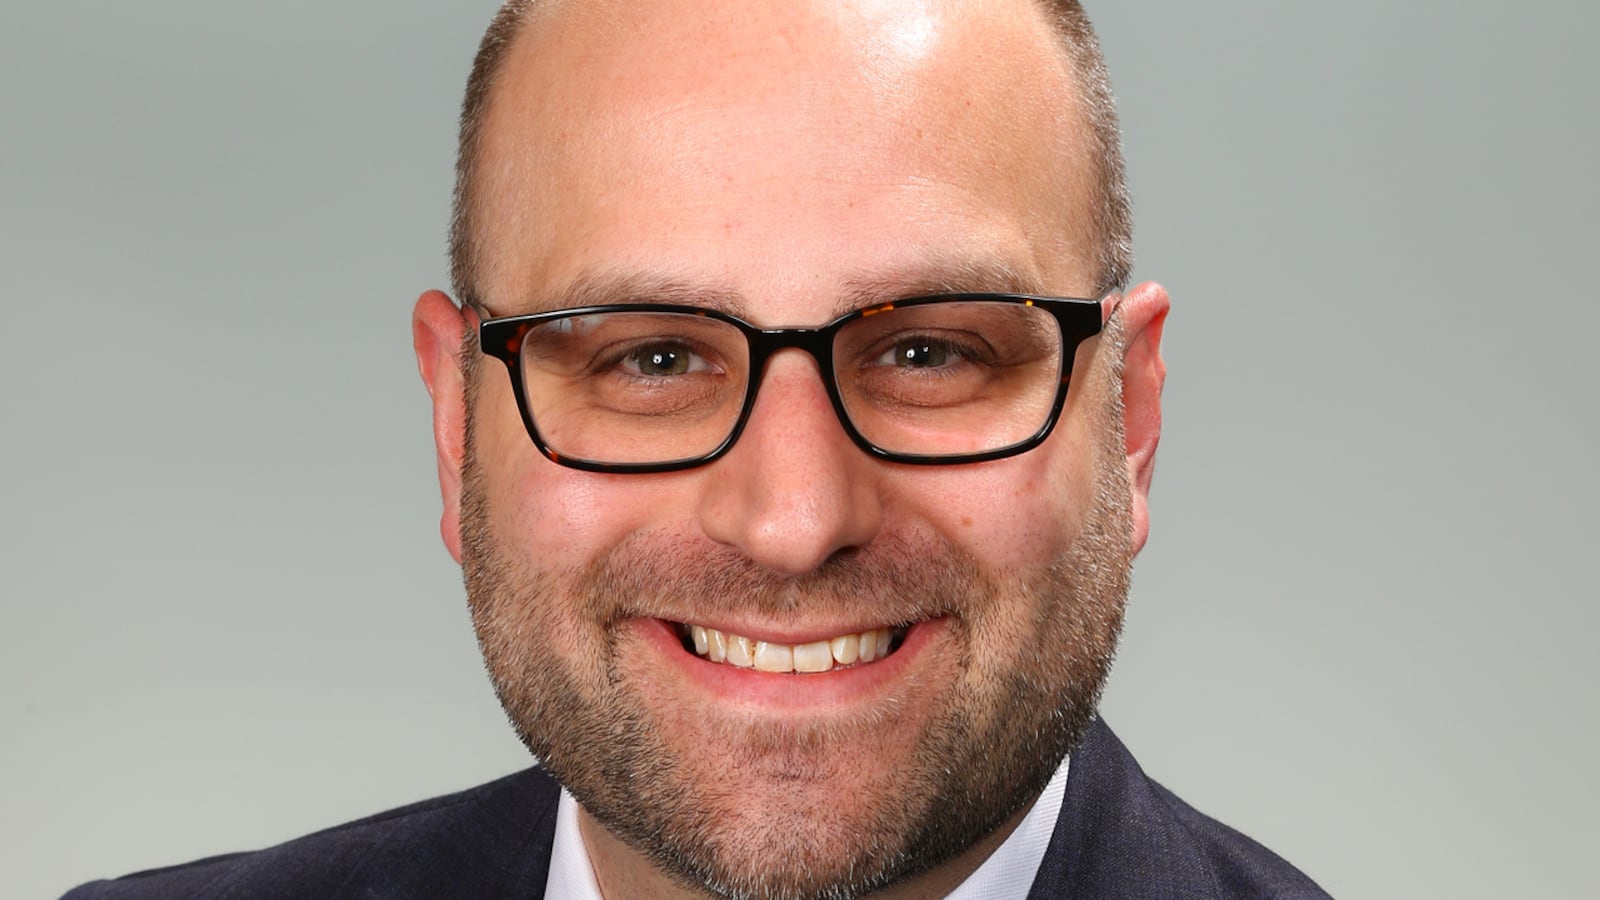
1112	217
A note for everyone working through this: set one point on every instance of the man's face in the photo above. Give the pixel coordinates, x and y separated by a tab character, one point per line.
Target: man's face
795	162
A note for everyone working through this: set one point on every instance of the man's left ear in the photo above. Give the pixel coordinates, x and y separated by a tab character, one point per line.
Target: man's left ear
1143	311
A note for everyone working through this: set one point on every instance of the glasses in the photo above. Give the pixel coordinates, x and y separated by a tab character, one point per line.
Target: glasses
953	378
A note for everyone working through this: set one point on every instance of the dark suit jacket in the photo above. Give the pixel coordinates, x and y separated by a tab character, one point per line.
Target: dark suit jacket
1119	835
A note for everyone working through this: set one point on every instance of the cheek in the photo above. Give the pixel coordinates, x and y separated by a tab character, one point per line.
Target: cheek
538	510
1016	514
561	518
555	517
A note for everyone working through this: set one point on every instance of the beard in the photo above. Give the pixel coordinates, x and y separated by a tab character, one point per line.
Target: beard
741	809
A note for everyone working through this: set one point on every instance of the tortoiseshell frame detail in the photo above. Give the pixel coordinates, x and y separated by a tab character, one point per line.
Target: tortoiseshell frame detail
1078	319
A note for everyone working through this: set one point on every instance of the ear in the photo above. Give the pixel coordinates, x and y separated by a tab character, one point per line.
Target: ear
1143	312
437	325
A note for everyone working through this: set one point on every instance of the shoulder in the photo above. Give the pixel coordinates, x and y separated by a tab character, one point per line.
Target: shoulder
1122	834
1235	864
490	841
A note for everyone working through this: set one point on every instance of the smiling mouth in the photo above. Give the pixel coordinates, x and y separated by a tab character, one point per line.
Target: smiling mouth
845	650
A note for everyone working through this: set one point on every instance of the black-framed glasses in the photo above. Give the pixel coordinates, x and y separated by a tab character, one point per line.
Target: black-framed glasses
950	378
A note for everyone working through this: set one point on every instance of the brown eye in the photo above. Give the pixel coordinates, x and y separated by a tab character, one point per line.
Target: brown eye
659	361
921	355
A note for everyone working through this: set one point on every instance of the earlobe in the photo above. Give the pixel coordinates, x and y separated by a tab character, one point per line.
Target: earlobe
437	326
1143	313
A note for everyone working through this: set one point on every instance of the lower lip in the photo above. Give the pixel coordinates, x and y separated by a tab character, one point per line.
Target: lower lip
818	691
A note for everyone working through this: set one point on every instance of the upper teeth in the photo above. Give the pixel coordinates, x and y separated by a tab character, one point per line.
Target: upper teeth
765	656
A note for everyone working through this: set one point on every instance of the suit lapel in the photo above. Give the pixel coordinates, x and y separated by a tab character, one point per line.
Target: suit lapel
1116	836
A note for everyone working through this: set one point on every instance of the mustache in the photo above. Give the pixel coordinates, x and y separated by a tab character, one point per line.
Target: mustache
899	578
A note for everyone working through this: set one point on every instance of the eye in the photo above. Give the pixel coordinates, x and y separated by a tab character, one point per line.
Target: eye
660	360
919	353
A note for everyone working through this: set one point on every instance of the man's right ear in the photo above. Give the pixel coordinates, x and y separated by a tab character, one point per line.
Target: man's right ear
437	329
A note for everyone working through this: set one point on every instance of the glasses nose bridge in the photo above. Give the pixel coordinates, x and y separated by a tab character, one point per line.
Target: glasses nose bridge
814	342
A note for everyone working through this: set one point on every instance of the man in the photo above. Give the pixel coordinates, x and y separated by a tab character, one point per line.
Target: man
798	537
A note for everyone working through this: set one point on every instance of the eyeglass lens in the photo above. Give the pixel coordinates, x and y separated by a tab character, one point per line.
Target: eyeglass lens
943	379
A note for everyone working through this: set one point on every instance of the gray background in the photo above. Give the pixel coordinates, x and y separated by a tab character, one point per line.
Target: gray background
1362	630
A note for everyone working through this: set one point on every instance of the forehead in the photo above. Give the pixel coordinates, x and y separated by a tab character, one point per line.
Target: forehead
780	149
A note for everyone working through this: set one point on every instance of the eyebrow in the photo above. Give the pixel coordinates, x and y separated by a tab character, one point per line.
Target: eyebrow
937	274
602	287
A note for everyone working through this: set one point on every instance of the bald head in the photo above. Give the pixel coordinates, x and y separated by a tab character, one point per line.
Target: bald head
669	57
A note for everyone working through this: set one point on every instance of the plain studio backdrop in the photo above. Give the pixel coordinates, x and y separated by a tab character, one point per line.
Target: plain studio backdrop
1363	629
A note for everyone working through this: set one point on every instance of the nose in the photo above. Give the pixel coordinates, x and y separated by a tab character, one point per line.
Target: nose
793	490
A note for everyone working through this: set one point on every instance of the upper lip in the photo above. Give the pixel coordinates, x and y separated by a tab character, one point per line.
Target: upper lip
789	633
